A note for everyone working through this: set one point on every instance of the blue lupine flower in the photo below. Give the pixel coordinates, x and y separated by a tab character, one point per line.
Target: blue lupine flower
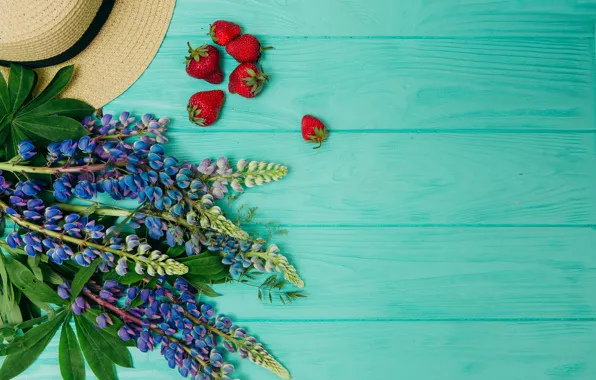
14	240
154	226
62	188
85	190
68	147
32	244
26	149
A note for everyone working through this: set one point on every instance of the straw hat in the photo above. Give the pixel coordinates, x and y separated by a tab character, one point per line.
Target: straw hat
110	42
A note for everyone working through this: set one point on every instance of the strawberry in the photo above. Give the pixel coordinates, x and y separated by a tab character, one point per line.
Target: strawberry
313	130
202	61
222	32
203	107
246	48
215	77
247	81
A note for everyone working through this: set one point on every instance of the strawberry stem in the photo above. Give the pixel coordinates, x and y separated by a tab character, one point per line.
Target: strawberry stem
267	48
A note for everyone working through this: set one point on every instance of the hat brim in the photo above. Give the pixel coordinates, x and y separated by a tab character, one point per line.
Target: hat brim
118	55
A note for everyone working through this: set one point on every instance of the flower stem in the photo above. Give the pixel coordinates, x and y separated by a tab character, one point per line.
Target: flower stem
48	170
127	317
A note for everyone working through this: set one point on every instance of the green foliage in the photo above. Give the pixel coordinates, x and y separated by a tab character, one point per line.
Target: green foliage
203	265
274	288
33	342
202	288
102	366
70	357
83	275
25	280
112	347
42	118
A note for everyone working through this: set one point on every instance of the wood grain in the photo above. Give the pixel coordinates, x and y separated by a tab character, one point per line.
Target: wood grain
400	350
432	273
428	18
362	85
374	179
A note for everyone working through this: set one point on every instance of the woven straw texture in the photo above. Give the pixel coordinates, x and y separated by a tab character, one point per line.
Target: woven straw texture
115	59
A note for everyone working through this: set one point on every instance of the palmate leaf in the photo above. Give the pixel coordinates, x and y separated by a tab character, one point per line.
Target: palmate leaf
20	85
42	119
70	357
83	275
26	281
49	128
34	336
73	108
5	106
18	362
58	83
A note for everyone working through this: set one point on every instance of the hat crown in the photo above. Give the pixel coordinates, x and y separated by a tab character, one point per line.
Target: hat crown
39	29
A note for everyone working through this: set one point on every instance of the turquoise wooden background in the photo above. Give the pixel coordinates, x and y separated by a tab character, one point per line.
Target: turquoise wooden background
447	228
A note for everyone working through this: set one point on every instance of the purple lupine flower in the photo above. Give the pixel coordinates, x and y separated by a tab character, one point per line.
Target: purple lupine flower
103	320
26	149
63	291
79	305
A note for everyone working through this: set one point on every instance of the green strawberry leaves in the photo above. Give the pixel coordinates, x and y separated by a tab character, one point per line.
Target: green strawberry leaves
42	118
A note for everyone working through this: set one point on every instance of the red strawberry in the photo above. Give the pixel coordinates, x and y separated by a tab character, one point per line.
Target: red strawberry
202	61
246	48
313	130
215	77
203	107
222	32
247	81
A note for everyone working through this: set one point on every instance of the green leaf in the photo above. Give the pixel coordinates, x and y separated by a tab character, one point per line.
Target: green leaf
5	105
7	294
34	336
203	289
113	348
50	276
20	85
17	136
58	83
99	363
175	251
23	279
83	275
50	128
203	265
15	364
73	108
70	357
33	263
130	278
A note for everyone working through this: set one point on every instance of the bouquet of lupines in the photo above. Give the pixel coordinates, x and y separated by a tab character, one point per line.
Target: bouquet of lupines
127	277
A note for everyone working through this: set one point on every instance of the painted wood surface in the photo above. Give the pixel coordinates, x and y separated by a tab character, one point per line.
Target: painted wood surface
447	229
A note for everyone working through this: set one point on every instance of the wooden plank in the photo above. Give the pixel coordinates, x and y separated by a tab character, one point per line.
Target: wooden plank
410	350
396	18
361	85
432	273
379	178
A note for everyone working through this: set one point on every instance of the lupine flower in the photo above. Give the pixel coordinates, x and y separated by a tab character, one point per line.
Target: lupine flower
183	324
64	291
26	149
